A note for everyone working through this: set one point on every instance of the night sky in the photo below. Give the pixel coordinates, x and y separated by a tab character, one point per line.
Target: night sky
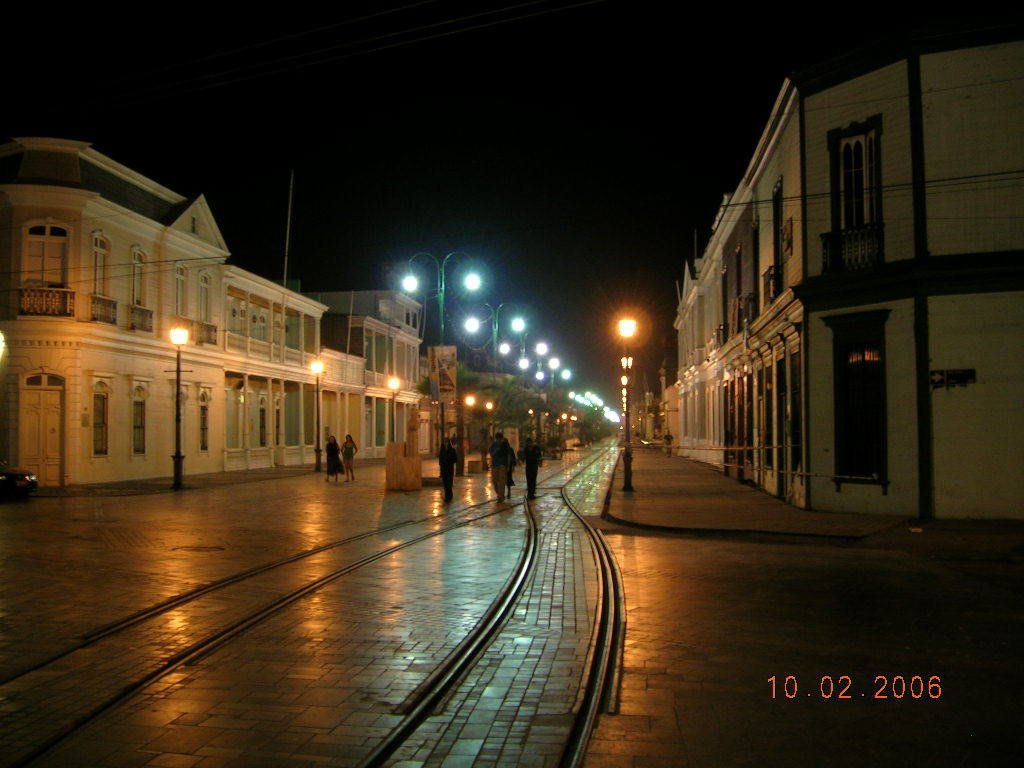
572	149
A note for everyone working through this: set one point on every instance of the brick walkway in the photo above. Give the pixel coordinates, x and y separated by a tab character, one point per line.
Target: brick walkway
726	587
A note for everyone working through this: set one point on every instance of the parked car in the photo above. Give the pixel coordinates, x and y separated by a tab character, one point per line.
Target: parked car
16	483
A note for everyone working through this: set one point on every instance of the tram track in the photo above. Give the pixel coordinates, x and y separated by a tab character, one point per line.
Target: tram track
441	680
601	675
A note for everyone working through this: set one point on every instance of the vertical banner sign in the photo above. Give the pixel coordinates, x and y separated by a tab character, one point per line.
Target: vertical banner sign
446	360
433	374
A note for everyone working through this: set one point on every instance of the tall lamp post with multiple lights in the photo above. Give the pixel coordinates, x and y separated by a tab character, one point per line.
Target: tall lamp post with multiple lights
410	284
518	325
179	337
627	330
317	367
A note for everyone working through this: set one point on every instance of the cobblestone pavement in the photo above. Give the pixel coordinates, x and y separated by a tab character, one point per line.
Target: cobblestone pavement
321	680
714	614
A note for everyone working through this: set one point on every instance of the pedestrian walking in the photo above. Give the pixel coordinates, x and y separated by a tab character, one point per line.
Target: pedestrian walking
349	449
510	452
333	459
447	458
668	443
499	463
532	459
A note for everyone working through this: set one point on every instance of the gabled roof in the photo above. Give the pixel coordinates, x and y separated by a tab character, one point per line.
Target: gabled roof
74	164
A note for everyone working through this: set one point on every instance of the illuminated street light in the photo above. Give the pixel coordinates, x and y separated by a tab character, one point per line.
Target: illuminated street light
627	330
504	348
518	324
524	363
470	401
566	374
317	367
179	337
554	363
539	375
541	348
472	324
472	281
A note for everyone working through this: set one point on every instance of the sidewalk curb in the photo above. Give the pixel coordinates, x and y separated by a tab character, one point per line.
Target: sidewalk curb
742	533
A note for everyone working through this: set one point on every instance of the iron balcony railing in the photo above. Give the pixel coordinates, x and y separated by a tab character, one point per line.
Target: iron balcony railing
104	310
52	302
140	319
850	250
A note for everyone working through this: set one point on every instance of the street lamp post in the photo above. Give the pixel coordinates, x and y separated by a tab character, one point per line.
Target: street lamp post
472	283
518	325
627	329
179	337
317	367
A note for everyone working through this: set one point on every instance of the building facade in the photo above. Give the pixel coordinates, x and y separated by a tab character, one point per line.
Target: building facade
864	355
381	327
99	263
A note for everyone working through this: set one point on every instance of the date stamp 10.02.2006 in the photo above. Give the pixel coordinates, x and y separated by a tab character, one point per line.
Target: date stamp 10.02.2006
847	687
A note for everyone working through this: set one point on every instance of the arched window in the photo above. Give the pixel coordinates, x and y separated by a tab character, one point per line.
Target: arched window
263	422
204	297
45	261
204	420
181	291
100	418
138	284
139	395
100	256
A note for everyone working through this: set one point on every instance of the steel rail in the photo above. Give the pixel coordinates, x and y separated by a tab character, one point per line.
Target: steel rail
606	647
176	601
444	679
212	642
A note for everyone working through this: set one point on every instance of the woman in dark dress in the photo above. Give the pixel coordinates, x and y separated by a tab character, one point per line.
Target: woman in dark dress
447	457
333	459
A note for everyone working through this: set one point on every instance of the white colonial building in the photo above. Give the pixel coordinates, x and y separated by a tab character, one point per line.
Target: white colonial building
98	264
851	337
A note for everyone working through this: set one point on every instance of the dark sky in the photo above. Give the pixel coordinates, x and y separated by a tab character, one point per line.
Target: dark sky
572	149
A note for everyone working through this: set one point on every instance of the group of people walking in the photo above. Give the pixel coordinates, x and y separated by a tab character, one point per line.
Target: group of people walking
503	463
340	456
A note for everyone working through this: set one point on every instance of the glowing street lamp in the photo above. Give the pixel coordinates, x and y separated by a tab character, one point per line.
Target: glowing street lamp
179	337
524	363
554	363
541	349
317	367
504	348
566	374
627	330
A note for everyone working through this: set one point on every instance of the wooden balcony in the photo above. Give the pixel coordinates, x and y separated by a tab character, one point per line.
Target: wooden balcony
50	302
852	250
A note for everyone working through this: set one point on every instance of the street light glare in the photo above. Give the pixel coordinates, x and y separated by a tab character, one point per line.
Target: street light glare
410	283
553	363
472	324
518	324
470	400
394	383
539	375
179	336
472	281
627	327
317	367
504	348
542	348
524	363
566	374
